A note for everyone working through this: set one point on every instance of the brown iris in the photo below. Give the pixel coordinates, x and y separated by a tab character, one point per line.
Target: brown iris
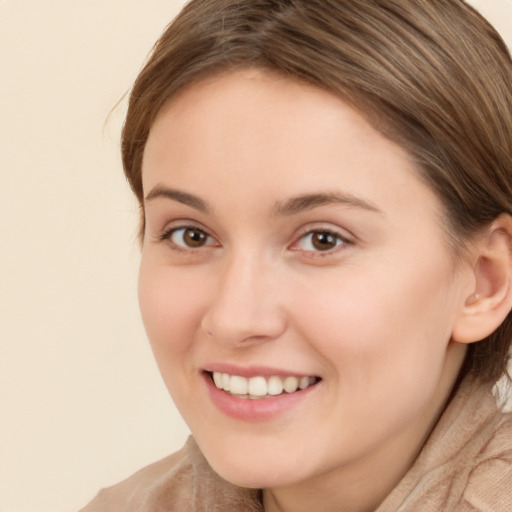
323	240
194	237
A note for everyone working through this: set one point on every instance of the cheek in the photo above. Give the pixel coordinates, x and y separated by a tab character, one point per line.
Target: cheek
378	322
170	308
383	341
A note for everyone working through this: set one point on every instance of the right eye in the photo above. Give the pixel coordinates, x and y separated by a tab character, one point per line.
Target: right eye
188	237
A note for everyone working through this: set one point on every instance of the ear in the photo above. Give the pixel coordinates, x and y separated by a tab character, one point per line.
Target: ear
488	305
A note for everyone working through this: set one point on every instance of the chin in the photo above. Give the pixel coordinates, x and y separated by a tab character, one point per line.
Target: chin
254	469
252	477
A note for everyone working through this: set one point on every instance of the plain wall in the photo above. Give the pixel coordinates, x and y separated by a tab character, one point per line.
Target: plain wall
82	404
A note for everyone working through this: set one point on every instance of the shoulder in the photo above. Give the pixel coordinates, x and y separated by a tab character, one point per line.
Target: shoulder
475	474
167	480
478	437
466	464
489	483
182	482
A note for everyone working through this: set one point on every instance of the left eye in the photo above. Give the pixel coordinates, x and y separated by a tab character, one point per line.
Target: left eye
190	238
320	241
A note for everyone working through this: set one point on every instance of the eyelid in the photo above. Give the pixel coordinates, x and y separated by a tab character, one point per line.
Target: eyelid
340	234
184	224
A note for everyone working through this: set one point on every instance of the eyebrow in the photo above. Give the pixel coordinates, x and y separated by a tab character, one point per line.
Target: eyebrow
159	191
290	207
307	202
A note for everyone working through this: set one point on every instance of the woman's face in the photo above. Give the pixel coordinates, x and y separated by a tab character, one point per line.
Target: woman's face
288	243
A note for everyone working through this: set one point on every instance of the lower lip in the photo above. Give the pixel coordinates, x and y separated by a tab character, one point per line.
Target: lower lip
260	409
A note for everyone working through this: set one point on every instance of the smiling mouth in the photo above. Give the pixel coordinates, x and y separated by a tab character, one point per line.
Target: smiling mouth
258	387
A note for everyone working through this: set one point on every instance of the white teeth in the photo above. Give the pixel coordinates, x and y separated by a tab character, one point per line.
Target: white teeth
226	381
257	387
274	386
217	378
291	384
304	382
238	385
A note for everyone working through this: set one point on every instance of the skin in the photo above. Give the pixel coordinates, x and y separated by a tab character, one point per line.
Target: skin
372	316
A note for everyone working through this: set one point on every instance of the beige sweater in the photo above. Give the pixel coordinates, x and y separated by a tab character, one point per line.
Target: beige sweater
465	466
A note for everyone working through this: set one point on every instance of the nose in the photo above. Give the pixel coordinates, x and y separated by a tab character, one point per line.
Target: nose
246	304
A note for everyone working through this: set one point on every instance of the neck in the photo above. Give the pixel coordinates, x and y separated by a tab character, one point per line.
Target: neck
341	490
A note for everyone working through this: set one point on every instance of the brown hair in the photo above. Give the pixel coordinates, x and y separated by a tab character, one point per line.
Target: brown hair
433	76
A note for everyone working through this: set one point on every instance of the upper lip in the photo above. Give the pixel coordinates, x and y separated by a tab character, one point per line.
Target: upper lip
253	371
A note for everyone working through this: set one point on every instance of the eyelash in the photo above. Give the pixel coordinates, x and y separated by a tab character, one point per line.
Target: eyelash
168	234
340	240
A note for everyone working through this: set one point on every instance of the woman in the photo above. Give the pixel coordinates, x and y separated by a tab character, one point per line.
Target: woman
326	200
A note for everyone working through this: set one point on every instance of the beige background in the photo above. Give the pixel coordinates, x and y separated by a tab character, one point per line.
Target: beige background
82	404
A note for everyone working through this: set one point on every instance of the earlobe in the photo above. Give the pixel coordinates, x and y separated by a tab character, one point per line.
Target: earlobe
491	300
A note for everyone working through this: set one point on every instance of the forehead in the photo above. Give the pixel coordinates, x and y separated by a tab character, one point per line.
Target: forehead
253	107
250	131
